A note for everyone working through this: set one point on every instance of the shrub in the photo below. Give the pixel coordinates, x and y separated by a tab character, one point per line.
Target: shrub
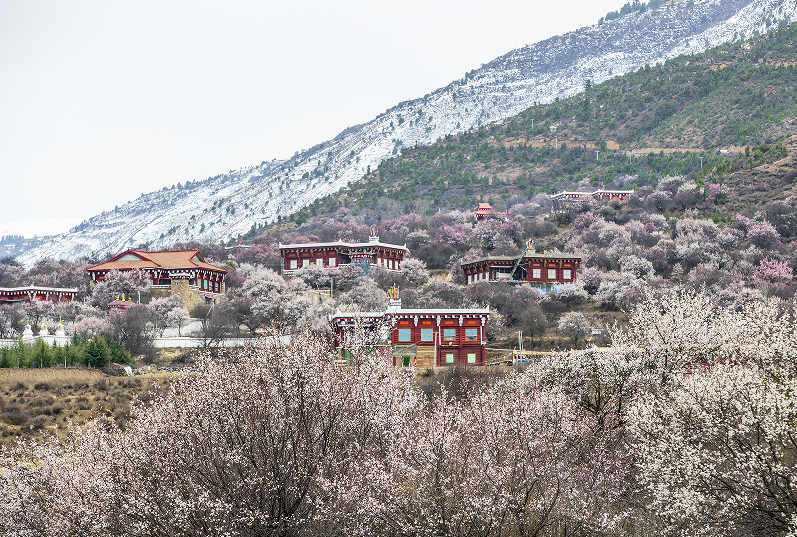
38	422
16	416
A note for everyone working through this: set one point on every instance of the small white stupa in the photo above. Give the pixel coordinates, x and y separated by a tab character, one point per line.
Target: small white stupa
60	332
60	338
27	333
44	332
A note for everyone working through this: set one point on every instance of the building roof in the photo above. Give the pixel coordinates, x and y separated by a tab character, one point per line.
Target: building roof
125	303
483	209
526	254
378	315
36	288
439	311
342	244
568	194
139	259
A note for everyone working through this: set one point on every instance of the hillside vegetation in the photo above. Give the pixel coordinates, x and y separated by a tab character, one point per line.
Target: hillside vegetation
629	132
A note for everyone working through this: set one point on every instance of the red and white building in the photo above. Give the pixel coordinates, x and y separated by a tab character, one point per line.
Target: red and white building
15	295
422	337
180	272
537	269
483	210
598	195
331	255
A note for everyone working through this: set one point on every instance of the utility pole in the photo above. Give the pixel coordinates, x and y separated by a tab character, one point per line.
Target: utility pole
532	123
701	164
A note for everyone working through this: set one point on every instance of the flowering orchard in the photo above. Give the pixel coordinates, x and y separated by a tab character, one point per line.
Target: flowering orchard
685	426
278	440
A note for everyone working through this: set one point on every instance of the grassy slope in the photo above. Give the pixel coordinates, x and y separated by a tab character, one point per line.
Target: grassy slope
37	402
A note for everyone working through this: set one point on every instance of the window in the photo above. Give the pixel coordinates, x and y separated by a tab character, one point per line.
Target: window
305	263
319	262
566	274
293	263
449	358
471	358
536	273
404	334
449	334
332	261
470	334
551	273
427	334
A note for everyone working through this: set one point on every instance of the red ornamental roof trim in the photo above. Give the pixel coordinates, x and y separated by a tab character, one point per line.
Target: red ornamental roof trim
512	259
399	313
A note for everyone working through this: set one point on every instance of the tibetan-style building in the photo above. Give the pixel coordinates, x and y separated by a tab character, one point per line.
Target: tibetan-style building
422	337
599	195
338	254
537	269
181	272
483	210
15	295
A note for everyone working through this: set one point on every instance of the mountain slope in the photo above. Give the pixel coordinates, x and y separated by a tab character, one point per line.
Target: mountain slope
229	205
738	98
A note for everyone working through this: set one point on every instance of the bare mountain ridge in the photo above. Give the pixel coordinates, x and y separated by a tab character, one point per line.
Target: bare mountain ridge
228	205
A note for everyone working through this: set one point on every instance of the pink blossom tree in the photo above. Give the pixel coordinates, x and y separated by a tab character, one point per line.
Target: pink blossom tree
256	443
772	275
763	235
90	326
513	460
168	312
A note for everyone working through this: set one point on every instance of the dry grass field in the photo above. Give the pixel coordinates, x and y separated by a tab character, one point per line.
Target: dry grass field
39	402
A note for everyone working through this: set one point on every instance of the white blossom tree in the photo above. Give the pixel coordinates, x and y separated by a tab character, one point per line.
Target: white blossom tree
574	325
717	452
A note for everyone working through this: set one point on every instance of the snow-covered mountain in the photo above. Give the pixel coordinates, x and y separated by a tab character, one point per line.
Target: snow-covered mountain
228	205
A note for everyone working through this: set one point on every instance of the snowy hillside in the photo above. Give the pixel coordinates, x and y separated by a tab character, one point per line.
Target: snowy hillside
228	205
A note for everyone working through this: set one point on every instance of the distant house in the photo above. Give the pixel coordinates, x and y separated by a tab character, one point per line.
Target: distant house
422	337
599	195
179	272
15	295
483	210
537	269
120	306
338	254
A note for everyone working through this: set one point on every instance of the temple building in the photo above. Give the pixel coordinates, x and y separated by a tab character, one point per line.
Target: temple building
338	254
180	272
421	337
599	195
540	270
483	210
15	295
